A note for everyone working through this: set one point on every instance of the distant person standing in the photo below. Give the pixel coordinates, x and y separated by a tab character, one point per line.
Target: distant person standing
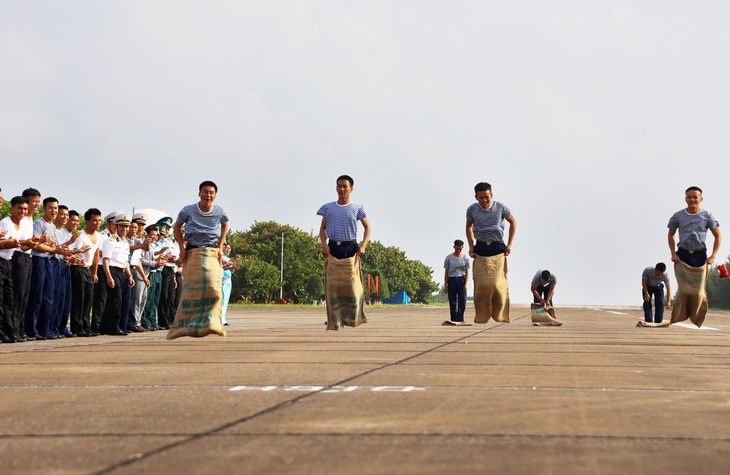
456	275
653	281
485	223
543	287
343	275
693	222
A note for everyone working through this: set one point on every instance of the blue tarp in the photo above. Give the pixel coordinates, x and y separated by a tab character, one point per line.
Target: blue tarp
400	297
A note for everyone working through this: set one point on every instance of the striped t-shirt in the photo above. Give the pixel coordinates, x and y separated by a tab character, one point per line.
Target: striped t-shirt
342	220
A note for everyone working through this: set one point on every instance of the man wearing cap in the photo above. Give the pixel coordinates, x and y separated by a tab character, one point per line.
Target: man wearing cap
115	256
165	312
83	275
154	264
141	275
100	286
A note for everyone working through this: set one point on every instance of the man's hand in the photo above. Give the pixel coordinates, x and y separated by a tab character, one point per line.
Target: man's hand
325	250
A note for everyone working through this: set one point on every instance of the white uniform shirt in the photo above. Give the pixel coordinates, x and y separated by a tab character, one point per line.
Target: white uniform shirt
117	251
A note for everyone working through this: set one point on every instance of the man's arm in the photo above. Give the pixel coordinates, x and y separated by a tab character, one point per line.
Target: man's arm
672	246
512	228
177	232
366	236
551	293
470	236
668	303
446	280
323	237
222	241
715	245
466	279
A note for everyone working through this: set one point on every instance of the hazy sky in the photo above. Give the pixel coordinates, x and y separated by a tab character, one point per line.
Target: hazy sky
589	119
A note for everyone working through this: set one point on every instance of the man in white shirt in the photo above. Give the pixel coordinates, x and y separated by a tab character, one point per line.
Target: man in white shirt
115	256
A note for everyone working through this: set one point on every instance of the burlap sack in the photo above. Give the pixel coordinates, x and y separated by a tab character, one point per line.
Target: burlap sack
642	323
491	293
691	299
344	292
543	315
199	311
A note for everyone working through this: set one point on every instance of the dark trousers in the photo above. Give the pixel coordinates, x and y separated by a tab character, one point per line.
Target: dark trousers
113	310
39	313
99	299
484	249
22	270
543	292
658	294
343	252
126	304
59	297
66	296
167	297
457	298
692	259
6	299
82	295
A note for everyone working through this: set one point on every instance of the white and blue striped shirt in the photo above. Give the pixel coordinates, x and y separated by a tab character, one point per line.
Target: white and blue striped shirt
342	220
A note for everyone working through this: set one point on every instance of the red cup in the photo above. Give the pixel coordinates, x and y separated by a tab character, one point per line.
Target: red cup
723	271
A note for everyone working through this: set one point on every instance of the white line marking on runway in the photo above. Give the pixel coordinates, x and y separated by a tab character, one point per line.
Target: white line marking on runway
331	389
693	327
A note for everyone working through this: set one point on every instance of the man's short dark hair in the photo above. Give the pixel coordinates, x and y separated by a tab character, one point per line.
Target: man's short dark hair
546	275
49	199
693	188
661	267
346	177
458	242
90	213
30	192
73	212
208	183
482	186
60	207
18	200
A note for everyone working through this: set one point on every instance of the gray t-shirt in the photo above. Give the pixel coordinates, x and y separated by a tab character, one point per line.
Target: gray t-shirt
488	223
537	281
457	266
652	280
202	229
692	228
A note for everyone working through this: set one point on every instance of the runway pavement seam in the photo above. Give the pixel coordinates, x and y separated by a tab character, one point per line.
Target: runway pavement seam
192	438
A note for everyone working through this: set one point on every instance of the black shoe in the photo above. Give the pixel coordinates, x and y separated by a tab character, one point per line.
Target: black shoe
21	338
68	334
82	334
94	334
134	330
40	337
5	339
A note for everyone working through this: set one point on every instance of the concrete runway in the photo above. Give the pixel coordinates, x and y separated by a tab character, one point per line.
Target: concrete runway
399	395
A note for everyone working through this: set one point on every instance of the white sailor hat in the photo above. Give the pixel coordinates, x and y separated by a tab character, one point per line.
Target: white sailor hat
122	219
140	218
112	215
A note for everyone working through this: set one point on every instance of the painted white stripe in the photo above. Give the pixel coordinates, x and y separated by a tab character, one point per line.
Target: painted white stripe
693	327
